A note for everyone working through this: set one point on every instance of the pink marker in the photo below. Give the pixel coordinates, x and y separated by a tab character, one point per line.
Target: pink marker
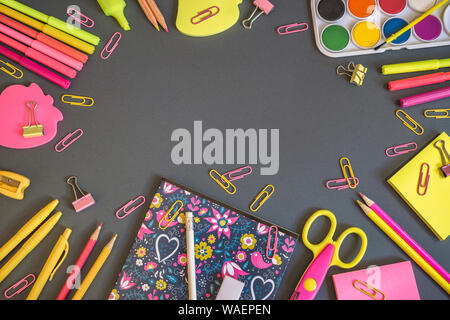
425	97
42	47
79	264
38	56
35	67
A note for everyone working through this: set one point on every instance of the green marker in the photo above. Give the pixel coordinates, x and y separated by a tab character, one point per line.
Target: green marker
115	8
54	22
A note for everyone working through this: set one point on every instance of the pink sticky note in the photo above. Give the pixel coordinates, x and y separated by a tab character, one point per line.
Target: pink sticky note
396	281
14	115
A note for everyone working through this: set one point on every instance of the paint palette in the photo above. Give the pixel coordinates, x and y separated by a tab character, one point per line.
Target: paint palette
355	27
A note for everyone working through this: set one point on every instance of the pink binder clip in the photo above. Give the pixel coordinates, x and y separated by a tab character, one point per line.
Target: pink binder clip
110	46
423	184
340	184
269	247
26	283
234	174
397	150
80	203
292	28
130	207
81	18
205	14
261	6
68	140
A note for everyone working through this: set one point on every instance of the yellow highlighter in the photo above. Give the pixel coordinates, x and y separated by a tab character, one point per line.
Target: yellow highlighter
94	269
405	247
29	245
28	227
54	261
415	66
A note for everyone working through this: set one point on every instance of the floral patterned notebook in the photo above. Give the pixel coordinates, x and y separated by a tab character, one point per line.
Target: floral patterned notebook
227	242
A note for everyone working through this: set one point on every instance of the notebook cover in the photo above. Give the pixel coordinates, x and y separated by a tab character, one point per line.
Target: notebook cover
434	207
396	281
227	242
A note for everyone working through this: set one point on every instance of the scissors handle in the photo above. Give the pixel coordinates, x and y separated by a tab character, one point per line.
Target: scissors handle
317	248
336	261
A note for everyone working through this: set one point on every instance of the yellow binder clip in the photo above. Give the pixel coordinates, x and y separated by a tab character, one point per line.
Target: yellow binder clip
437	113
346	165
373	293
11	70
410	123
169	221
262	197
36	129
357	73
77	100
223	182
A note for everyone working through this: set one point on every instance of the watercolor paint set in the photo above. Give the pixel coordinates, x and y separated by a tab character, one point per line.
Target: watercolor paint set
355	27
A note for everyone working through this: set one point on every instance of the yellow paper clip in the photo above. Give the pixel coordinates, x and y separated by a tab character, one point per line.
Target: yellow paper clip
11	70
437	113
262	197
372	294
77	100
223	182
36	129
348	166
412	125
356	73
169	221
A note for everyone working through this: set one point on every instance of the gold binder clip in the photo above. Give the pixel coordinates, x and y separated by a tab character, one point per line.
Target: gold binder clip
437	113
262	197
344	167
223	182
36	129
169	221
412	124
77	100
356	73
11	70
373	293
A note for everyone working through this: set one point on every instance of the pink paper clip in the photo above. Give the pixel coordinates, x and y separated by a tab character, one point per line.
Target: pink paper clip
202	17
229	177
81	18
261	6
421	183
292	28
18	283
272	248
130	207
111	46
340	184
68	140
83	202
395	151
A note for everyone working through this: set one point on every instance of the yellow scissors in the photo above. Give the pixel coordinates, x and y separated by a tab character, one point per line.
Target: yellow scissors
326	254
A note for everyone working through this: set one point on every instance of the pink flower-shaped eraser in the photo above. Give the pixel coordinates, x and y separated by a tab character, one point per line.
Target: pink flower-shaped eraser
14	115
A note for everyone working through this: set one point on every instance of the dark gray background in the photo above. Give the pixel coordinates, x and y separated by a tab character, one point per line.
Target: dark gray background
156	82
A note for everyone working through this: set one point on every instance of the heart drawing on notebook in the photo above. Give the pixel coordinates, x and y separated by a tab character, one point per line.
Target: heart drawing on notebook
168	247
261	287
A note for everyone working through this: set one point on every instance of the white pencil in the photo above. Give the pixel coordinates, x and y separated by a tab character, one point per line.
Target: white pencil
190	256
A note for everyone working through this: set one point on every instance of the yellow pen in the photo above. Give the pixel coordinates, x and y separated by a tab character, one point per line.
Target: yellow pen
405	247
29	245
94	269
54	261
28	227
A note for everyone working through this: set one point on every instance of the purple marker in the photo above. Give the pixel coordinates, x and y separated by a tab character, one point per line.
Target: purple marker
425	97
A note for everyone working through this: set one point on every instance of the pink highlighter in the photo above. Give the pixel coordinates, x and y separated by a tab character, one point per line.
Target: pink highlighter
35	67
421	81
425	97
42	47
38	56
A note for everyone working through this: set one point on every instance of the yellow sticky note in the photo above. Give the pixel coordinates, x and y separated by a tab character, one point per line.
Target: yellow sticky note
201	18
434	207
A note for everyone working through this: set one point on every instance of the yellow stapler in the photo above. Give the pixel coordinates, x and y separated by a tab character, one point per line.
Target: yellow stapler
13	185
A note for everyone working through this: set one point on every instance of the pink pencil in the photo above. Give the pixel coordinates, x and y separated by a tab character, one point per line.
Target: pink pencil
79	264
399	231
